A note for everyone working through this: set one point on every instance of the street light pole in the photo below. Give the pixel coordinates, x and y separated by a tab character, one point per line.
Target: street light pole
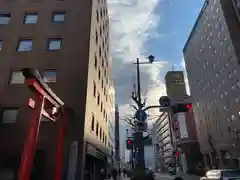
139	135
139	85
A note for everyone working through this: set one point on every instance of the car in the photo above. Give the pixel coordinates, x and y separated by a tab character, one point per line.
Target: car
172	170
222	174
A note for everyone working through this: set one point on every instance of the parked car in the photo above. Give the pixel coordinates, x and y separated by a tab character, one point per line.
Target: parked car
222	174
172	170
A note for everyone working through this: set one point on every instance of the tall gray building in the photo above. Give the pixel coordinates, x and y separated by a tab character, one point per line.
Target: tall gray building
212	55
175	84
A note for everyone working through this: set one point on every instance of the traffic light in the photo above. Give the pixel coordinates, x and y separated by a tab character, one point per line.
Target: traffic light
181	107
129	143
176	153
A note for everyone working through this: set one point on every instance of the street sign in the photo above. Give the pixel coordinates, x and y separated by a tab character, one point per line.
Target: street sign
141	126
141	115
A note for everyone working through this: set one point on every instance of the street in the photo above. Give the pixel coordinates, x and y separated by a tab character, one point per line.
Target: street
163	176
166	176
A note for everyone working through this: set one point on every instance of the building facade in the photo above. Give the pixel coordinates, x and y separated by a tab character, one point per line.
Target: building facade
68	42
183	126
175	84
163	145
212	56
111	140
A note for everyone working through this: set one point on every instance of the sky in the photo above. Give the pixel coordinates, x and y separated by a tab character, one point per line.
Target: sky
139	28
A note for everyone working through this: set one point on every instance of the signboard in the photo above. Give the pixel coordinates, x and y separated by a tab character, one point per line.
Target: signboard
141	126
141	115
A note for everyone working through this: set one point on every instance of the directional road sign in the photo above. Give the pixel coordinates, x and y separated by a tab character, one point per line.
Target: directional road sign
141	115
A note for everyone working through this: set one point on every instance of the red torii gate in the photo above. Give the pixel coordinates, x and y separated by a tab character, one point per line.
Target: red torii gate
45	103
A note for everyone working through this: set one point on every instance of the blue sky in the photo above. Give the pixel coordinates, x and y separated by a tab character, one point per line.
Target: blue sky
142	27
176	20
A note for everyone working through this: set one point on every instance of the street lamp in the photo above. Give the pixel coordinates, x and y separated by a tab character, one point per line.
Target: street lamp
151	58
140	104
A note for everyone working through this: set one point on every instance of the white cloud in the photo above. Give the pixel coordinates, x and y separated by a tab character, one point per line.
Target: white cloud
133	22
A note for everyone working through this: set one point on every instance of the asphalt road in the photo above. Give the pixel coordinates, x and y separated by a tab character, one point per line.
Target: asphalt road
163	176
166	176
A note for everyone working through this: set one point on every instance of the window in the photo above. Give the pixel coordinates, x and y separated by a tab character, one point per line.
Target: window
5	18
101	106
97	129
100	51
99	74
24	45
100	133
50	76
102	62
58	17
94	89
54	44
1	45
93	122
30	18
98	99
96	37
95	61
17	77
102	83
9	115
97	16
